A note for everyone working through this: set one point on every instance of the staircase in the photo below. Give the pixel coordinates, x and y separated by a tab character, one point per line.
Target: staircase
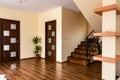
85	51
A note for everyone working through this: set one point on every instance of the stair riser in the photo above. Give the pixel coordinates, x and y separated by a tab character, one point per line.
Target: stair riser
79	56
78	51
82	52
85	44
77	62
83	48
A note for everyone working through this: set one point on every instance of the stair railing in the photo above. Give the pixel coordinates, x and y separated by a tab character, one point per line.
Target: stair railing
90	35
90	48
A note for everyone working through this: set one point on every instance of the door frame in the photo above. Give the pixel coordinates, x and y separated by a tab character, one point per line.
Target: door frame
46	39
18	31
0	43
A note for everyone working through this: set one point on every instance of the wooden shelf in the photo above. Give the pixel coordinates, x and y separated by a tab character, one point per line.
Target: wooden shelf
107	34
107	59
107	8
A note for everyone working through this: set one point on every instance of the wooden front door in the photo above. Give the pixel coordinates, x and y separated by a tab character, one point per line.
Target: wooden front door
9	40
51	40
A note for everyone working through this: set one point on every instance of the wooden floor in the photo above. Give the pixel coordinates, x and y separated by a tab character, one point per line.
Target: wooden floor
32	69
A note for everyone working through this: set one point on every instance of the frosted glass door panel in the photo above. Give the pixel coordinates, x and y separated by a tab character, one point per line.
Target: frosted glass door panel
49	53
13	54
13	40
49	27
13	26
49	40
6	33
53	47
53	33
6	47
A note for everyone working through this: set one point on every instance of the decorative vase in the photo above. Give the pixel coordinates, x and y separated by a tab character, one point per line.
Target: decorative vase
37	56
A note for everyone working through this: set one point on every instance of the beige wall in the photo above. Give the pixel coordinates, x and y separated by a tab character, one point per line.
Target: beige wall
89	28
55	14
28	28
74	30
34	24
71	29
87	7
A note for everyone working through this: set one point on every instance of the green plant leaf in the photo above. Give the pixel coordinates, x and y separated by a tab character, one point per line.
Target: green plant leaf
36	40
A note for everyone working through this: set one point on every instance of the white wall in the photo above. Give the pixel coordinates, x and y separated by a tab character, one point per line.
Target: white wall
74	30
55	14
111	23
28	28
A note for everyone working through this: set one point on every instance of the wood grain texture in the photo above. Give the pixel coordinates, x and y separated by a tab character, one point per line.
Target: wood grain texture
107	8
107	59
32	69
79	56
107	34
5	25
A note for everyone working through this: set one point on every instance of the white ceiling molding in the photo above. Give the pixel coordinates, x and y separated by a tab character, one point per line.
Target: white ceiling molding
38	6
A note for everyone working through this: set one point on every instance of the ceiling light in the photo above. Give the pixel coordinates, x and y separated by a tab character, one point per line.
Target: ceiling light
22	1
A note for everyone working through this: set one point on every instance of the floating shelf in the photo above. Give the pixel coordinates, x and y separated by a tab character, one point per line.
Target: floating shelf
107	34
107	8
107	59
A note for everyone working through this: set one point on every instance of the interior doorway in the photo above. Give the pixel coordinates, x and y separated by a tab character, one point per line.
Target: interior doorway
9	40
50	40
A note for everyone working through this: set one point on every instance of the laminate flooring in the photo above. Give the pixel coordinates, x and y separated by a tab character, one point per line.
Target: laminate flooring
32	69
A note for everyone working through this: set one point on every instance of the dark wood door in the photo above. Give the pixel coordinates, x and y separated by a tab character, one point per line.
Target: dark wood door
9	40
51	40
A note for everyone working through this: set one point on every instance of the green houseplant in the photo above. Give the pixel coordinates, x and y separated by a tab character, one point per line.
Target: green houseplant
37	47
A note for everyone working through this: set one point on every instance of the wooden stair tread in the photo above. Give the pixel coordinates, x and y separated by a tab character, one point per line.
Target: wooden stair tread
82	47
84	50
79	55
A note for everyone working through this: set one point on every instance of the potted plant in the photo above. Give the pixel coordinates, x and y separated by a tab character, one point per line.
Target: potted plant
37	47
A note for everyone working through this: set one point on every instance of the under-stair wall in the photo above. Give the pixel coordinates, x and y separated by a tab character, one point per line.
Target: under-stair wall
74	30
86	7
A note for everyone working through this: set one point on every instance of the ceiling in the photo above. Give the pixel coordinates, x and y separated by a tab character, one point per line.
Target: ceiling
38	6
